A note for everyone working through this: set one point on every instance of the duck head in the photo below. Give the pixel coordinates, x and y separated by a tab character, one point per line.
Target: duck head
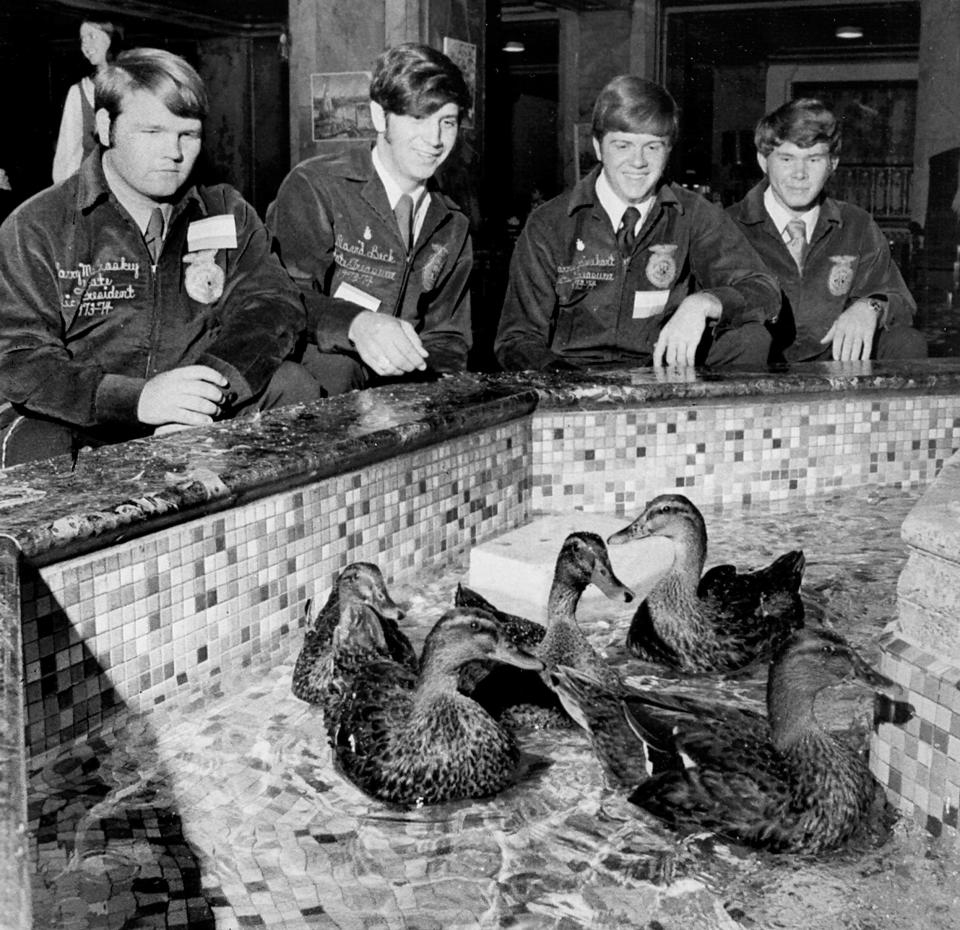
362	583
360	626
671	515
465	634
584	560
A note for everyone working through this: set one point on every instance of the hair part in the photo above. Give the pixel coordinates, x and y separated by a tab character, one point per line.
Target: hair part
416	80
805	122
633	104
157	71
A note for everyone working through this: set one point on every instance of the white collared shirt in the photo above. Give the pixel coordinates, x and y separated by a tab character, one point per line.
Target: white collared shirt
781	216
421	199
614	207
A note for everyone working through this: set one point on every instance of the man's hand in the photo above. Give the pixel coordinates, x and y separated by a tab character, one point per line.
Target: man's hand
682	333
852	333
387	345
189	396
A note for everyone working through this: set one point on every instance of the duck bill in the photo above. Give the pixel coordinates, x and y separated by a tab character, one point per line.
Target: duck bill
604	578
388	609
636	530
506	652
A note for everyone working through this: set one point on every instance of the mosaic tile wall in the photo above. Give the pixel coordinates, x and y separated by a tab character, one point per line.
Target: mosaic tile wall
162	617
613	461
919	762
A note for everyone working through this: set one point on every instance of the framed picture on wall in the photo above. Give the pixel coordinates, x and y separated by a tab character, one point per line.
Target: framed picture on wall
584	156
340	103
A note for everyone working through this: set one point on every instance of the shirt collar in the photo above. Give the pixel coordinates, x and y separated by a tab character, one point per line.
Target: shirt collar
614	207
391	187
781	215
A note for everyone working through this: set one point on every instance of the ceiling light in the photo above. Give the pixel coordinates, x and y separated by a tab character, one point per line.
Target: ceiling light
849	32
514	46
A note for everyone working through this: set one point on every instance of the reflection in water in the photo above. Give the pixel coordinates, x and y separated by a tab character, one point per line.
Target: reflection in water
278	839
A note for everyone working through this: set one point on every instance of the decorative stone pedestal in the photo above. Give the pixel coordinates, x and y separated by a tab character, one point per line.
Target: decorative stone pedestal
919	762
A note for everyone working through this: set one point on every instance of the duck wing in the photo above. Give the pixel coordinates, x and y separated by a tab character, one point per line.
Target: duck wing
399	647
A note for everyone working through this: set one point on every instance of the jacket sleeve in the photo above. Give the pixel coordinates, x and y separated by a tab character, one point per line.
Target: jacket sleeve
878	276
447	328
36	369
526	320
69	151
725	264
262	315
301	220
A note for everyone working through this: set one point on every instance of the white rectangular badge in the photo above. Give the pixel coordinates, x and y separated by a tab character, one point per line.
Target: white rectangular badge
346	291
213	232
649	303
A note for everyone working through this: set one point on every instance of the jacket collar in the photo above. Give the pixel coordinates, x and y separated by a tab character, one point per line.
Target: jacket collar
93	189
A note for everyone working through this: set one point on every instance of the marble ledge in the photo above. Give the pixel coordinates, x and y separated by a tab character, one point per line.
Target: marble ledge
54	509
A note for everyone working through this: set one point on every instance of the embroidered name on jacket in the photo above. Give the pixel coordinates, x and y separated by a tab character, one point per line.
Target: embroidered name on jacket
363	262
587	271
93	290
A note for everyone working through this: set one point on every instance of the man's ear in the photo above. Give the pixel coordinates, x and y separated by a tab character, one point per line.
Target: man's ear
762	162
378	116
834	161
103	127
596	148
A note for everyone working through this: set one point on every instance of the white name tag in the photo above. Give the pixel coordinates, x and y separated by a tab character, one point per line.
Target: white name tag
649	303
213	232
346	291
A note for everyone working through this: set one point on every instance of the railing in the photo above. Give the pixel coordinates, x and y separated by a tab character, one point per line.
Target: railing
882	190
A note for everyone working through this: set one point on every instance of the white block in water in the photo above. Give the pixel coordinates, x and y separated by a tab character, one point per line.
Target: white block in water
515	570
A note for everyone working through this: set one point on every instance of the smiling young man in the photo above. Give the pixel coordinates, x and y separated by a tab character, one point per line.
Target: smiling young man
382	257
132	301
843	296
629	270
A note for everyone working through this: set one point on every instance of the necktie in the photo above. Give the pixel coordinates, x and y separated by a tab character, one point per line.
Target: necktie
154	234
627	233
403	211
797	244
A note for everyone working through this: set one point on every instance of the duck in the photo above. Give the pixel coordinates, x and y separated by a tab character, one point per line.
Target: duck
722	621
778	782
413	739
328	656
524	699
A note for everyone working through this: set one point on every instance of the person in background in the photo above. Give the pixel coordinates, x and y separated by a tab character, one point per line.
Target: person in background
382	257
99	43
132	300
629	270
843	296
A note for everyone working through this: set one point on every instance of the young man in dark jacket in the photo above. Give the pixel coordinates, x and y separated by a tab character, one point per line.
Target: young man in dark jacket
628	270
843	296
382	256
132	301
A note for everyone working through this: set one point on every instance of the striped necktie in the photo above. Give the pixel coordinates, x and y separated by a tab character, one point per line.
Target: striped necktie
797	243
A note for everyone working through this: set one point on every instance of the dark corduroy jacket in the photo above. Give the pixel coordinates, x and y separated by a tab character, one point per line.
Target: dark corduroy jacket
334	225
85	320
848	258
571	295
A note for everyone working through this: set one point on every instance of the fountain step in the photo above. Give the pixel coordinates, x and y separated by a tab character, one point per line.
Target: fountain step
515	570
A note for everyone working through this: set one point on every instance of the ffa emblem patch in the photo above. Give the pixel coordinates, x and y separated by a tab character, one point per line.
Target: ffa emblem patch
841	274
434	266
662	265
580	245
367	234
203	278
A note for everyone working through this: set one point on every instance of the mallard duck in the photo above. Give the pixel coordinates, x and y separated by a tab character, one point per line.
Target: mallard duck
779	782
525	698
415	739
325	658
722	621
